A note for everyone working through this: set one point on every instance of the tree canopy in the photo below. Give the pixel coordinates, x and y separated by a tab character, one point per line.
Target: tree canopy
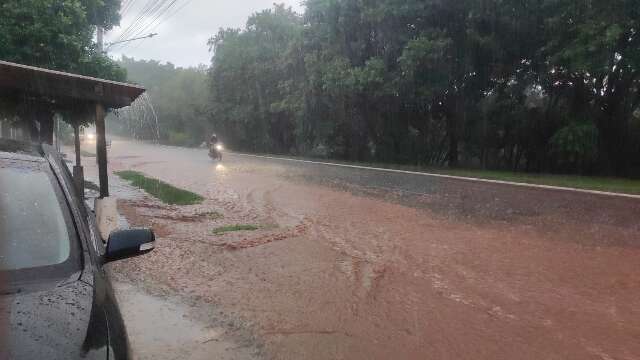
549	85
58	34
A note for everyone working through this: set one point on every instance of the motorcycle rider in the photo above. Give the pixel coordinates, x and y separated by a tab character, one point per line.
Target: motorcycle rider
213	141
215	147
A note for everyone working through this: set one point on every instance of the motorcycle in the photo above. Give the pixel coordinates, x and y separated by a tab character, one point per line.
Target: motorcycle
215	152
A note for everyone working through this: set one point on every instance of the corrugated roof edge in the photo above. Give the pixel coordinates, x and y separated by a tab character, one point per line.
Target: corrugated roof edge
62	73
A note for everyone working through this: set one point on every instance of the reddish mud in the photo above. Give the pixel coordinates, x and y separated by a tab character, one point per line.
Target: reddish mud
335	274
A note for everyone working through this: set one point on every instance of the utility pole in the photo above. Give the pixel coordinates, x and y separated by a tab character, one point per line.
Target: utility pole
100	40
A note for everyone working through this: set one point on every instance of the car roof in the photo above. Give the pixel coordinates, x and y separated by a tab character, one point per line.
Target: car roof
21	150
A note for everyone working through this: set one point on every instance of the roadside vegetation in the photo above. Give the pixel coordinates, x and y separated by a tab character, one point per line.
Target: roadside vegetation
547	87
233	228
608	184
597	183
58	35
166	193
540	87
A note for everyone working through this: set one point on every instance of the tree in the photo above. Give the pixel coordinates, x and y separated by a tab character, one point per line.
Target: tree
543	85
57	34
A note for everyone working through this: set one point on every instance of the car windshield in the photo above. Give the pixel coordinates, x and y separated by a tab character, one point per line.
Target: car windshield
35	229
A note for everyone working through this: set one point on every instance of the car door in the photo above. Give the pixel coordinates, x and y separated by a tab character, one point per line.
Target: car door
105	299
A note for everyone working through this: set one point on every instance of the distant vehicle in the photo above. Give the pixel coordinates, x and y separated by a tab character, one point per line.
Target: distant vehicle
60	300
215	151
88	136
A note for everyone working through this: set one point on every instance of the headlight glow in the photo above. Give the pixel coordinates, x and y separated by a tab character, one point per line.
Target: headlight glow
219	147
91	136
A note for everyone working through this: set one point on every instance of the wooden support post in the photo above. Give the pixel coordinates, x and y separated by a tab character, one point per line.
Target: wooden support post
101	151
46	126
78	171
76	142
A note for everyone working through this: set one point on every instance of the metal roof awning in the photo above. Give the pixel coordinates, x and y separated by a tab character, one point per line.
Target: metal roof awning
64	89
41	92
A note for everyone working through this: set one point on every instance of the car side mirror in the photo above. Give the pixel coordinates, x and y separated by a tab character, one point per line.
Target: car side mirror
129	243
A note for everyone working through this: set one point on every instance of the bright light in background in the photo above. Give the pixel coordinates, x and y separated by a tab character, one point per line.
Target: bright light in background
183	28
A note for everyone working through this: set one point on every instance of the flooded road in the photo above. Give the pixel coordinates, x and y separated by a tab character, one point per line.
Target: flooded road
361	264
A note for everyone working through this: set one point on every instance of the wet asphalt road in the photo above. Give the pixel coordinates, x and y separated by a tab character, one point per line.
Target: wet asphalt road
450	197
361	264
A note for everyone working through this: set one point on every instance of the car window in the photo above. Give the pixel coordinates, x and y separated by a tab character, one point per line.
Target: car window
36	230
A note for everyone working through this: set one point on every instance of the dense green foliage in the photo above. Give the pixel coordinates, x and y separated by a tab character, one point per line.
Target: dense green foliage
58	34
179	98
167	193
548	85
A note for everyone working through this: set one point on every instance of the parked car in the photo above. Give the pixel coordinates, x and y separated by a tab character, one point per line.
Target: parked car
58	298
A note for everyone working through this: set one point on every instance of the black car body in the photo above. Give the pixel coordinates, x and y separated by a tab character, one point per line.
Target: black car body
66	309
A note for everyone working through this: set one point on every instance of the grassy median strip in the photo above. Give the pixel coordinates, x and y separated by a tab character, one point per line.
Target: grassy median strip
167	193
609	184
231	228
597	183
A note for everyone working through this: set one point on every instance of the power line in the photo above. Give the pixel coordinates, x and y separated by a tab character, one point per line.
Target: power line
150	4
132	39
167	18
172	14
152	15
141	15
126	6
159	20
159	14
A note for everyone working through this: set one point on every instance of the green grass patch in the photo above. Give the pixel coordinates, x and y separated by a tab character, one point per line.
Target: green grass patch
166	193
87	154
597	183
213	215
231	228
609	184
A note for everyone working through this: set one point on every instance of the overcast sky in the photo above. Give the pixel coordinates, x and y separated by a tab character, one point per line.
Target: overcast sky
182	38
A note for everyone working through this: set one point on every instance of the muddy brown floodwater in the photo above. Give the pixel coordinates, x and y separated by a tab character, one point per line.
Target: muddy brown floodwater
354	264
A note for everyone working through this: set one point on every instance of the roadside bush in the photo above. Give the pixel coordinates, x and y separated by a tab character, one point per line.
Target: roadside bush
575	146
178	138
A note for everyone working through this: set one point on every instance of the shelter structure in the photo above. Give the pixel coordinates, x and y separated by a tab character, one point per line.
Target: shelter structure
31	96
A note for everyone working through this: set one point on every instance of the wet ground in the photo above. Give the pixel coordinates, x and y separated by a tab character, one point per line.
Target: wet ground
163	327
361	264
